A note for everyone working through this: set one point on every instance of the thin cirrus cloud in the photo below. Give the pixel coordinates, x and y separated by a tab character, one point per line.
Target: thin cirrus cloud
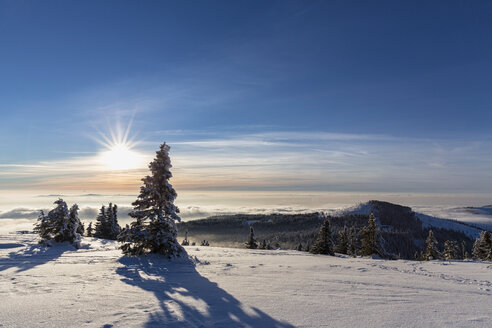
280	161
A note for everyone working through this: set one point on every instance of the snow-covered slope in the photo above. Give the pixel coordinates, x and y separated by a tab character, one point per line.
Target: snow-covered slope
96	287
433	222
428	221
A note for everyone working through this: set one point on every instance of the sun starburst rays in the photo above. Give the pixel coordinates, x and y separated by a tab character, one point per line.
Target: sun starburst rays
119	151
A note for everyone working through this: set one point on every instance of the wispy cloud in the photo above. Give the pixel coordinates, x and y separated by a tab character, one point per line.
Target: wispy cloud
281	160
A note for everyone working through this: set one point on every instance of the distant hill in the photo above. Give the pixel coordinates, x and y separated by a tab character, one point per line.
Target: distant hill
404	231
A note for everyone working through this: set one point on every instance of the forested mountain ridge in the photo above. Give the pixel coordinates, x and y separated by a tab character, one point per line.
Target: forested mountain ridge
404	231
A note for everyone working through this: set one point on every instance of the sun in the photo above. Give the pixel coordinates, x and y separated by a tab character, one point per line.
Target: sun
120	157
119	150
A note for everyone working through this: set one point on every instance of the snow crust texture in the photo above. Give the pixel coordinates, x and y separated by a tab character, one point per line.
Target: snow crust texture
95	286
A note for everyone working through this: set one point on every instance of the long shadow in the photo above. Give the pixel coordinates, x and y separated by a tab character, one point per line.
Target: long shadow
32	256
186	298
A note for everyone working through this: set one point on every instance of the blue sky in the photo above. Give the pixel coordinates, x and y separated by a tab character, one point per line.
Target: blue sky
348	96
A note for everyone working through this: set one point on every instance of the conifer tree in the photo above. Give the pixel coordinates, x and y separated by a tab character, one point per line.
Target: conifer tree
323	243
451	250
251	243
44	227
154	229
113	228
464	253
72	232
342	246
59	225
263	244
185	241
299	247
482	246
352	244
89	229
100	229
431	250
371	240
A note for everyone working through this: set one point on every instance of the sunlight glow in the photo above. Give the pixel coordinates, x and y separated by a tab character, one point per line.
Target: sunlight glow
120	157
119	153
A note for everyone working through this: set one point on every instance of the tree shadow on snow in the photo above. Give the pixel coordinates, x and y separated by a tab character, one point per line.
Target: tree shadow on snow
186	298
32	256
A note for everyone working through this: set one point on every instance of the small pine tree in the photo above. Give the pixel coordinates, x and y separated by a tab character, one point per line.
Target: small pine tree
299	247
154	229
251	243
342	246
90	230
44	228
100	229
451	250
72	233
371	240
185	241
464	253
263	244
352	242
416	256
431	250
482	246
323	243
114	228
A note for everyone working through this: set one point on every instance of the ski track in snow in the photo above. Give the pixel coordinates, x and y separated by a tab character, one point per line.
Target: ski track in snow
96	286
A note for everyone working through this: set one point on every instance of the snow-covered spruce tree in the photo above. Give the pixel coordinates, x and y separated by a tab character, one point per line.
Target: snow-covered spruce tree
251	243
72	233
451	250
44	228
371	240
482	246
352	242
90	230
154	229
342	241
59	225
464	253
114	228
323	243
100	228
185	241
431	250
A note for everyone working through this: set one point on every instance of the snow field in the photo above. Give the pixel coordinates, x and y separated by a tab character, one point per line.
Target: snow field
96	286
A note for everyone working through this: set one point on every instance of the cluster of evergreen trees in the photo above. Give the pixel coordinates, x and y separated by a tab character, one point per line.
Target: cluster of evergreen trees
367	242
482	249
153	231
107	226
61	224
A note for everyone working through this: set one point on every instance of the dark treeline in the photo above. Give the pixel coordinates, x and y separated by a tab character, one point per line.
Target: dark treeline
402	233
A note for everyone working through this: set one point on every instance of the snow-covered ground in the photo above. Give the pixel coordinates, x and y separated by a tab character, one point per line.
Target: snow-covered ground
96	286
